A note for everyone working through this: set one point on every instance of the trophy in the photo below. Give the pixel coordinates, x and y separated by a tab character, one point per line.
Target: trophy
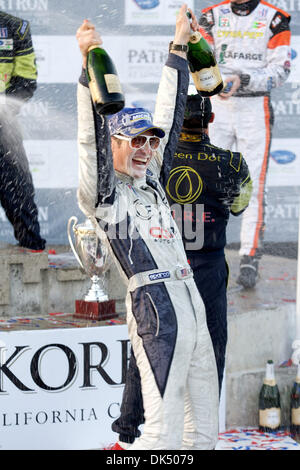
92	255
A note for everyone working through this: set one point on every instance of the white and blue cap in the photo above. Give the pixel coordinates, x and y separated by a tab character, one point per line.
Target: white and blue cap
132	122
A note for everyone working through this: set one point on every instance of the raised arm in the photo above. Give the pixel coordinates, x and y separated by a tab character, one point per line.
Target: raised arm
96	173
171	96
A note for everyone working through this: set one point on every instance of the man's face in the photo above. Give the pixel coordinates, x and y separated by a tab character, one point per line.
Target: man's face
132	162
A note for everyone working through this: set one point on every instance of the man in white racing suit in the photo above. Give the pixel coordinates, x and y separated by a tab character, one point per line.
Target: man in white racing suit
124	165
251	40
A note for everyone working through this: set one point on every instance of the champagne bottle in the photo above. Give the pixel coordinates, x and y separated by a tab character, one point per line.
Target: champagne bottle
203	66
295	407
269	402
103	82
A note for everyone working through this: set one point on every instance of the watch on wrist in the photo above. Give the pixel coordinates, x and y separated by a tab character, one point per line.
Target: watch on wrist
178	47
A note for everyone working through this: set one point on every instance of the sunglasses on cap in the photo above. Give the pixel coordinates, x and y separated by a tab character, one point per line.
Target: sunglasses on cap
140	141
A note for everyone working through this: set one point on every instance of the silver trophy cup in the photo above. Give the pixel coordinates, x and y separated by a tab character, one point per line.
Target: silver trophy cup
92	256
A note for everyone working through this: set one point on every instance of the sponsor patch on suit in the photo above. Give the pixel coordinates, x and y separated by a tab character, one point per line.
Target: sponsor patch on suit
6	44
3	33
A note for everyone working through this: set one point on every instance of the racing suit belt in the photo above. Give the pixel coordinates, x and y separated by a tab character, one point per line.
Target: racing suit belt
251	94
159	275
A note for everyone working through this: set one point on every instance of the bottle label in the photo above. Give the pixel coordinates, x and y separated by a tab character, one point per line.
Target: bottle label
296	416
269	418
271	382
207	79
112	83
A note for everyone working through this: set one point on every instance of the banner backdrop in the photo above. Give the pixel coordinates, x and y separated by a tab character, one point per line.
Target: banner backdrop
136	33
61	389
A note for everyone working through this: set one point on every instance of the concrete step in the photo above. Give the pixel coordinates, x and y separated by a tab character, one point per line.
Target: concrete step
243	389
40	283
261	326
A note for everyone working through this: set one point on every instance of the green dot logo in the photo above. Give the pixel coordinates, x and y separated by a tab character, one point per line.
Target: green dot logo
184	185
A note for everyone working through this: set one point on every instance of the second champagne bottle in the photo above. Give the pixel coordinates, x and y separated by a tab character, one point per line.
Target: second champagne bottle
269	402
203	66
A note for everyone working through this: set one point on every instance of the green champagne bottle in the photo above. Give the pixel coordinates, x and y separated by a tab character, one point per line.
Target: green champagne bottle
295	407
203	66
269	402
103	82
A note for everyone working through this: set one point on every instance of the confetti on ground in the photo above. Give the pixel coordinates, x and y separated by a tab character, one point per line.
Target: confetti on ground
253	439
287	363
55	320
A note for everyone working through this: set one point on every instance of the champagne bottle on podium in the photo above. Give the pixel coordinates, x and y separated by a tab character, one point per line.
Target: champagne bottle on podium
295	407
103	82
269	402
203	66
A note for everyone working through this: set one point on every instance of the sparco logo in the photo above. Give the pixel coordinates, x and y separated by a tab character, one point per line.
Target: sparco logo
24	5
35	362
158	276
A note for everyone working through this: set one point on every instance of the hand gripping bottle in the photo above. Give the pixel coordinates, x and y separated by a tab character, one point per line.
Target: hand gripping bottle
103	82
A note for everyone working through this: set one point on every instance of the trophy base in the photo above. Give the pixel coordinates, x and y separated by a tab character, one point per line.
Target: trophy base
95	310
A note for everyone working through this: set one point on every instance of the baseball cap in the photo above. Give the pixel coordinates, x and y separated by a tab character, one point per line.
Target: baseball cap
132	122
198	107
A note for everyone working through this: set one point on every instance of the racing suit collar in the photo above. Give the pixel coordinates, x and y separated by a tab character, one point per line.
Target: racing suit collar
244	9
193	137
129	179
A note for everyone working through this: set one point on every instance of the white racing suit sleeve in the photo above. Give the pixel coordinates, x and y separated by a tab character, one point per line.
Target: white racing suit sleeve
169	112
96	173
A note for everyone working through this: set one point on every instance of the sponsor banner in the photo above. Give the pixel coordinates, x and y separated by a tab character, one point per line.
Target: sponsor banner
58	18
51	113
286	106
295	66
51	58
53	164
63	388
153	12
142	58
282	210
139	50
293	8
141	100
55	207
284	163
63	18
138	59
